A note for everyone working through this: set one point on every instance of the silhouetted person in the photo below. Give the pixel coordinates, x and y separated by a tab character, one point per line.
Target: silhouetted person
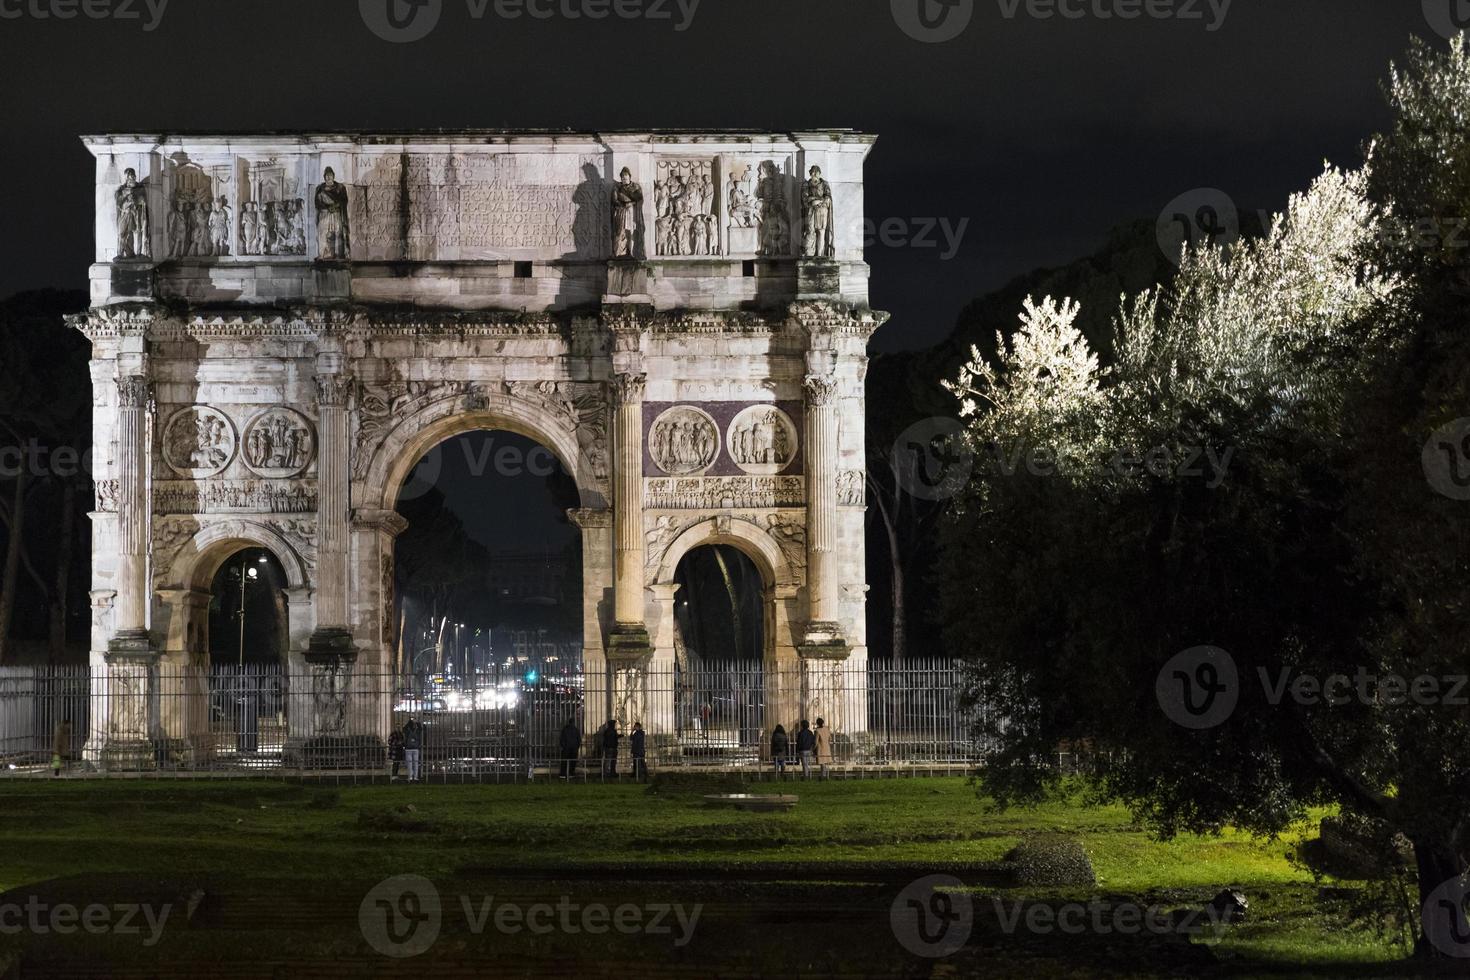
824	746
571	747
413	741
636	746
806	747
610	748
395	752
780	748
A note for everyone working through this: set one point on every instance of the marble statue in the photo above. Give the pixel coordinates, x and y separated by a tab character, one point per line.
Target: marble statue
818	233
177	227
249	229
219	227
627	199
132	217
333	233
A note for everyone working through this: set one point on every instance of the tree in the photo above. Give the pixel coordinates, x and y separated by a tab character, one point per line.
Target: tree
45	433
1103	581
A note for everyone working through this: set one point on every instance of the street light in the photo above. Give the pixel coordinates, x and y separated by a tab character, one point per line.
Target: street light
252	574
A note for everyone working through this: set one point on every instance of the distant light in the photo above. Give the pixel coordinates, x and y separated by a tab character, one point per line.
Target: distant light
533	676
261	559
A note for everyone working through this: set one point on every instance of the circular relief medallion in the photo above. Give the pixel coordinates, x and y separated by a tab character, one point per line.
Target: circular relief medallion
198	442
683	441
762	440
278	443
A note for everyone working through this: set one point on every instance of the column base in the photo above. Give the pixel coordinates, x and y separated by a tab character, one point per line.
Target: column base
132	647
823	641
330	645
818	279
628	642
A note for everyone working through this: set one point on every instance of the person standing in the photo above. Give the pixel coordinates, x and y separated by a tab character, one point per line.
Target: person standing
413	740
806	747
637	746
60	746
395	752
610	748
571	746
780	747
823	738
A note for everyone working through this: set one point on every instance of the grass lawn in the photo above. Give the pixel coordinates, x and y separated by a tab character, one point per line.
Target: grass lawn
281	870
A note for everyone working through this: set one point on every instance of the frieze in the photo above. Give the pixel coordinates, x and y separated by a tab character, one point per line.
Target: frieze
235	496
851	491
724	492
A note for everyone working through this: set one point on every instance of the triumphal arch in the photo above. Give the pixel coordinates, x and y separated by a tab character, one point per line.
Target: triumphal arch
283	325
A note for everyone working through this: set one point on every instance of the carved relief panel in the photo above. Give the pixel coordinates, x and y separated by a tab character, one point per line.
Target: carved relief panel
762	440
684	441
198	442
685	208
279	443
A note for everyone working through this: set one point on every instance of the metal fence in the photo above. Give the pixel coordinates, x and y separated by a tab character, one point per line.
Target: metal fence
506	724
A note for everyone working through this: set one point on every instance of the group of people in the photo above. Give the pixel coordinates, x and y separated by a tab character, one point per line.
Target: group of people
813	747
608	741
405	747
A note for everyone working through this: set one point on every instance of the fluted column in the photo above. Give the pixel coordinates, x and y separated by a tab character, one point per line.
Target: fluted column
333	636
823	629
630	633
130	625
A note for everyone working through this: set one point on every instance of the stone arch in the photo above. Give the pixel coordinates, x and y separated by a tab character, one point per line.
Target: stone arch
411	437
194	565
750	539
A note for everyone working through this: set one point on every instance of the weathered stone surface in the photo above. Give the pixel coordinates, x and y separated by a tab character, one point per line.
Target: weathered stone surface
274	349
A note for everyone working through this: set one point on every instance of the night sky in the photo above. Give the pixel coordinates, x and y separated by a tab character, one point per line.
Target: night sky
1042	134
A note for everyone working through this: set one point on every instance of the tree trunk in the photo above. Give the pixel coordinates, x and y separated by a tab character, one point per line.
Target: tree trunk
57	646
895	558
1437	865
10	578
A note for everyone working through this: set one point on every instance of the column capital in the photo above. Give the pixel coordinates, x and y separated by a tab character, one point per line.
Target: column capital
134	391
587	518
332	390
629	388
821	389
